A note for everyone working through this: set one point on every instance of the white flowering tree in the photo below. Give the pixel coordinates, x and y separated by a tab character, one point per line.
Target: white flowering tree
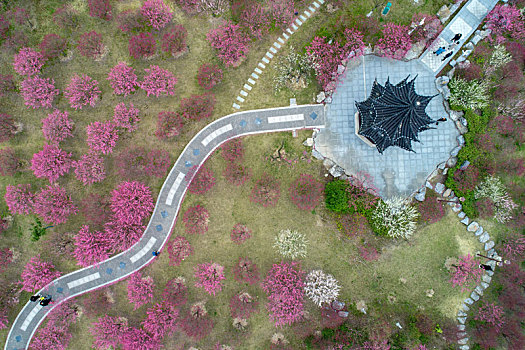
293	71
500	57
291	244
395	217
468	94
321	288
492	188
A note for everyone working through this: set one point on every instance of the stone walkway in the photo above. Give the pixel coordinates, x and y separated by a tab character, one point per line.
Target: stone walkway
466	21
165	212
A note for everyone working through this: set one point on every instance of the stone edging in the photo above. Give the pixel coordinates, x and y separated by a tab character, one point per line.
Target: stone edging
273	50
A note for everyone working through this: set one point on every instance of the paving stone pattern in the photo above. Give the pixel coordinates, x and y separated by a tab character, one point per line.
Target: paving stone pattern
165	212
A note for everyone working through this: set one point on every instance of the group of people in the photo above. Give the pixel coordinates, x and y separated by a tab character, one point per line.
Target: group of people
450	48
44	300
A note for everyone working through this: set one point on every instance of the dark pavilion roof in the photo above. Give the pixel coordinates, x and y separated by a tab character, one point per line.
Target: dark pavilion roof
393	115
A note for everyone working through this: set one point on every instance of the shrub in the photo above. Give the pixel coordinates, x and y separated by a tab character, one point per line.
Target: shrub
293	71
57	126
427	32
100	9
131	163
305	192
6	257
169	124
491	315
178	250
123	79
325	58
431	210
38	92
90	45
291	244
492	187
37	274
266	191
353	224
196	220
197	107
470	72
130	21
53	46
126	118
321	288
209	277
19	198
158	81
236	174
201	179
190	7
245	271
174	41
230	43
485	208
142	45
7	127
7	84
255	20
466	180
157	13
468	94
209	76
395	42
394	218
131	202
54	205
140	290
51	163
240	233
66	17
28	62
102	136
242	305
9	162
282	12
90	168
91	247
136	338
336	196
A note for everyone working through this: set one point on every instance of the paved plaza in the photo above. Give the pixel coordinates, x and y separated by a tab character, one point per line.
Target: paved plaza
396	171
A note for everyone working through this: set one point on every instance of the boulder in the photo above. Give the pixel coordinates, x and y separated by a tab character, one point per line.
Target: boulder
461	215
463	341
462	313
338	305
443	13
447	192
461	128
451	162
340	69
309	142
439	188
462	320
317	155
420	196
461	327
479	290
473	227
455	115
465	220
342	314
457	208
486	278
484	237
336	171
465	307
429	185
474	296
469	301
320	98
479	231
484	285
328	163
455	151
464	347
469	46
461	140
415	51
489	245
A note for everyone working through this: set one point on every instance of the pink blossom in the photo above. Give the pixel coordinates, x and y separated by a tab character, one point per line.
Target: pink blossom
82	90
326	58
282	12
122	79
174	41
38	92
466	273
209	76
395	42
142	45
90	45
107	331
19	198
256	19
491	314
102	136
122	235
230	43
54	205
37	274
161	320
28	61
57	126
209	277
157	13
51	163
140	290
306	192
158	81
178	249
505	20
169	124
126	117
91	247
131	202
201	179
196	220
138	339
90	168
100	9
158	163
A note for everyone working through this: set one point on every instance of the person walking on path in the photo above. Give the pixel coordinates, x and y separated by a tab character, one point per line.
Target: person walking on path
155	253
439	51
457	37
447	55
485	267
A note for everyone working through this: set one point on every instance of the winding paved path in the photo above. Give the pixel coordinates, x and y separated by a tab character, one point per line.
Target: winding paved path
165	213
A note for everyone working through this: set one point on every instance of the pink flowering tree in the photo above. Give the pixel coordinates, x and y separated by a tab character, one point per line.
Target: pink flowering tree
174	41
240	233
233	150
161	320
256	20
514	247
190	7
53	46
9	162
179	249
28	61
466	273
284	286
246	271
158	81
230	42
37	274
196	220
395	42
56	333
126	118
51	163
156	13
142	45
57	126
122	79
91	247
282	12
209	75
122	235
169	124
7	127
175	292
158	163
266	191
90	168
236	174
138	339
107	331
197	107
209	276
306	192
325	57
201	179
81	91
38	92
54	205
197	324
491	314
140	290
102	136
242	305
90	45
19	198
131	202
100	9
505	21
131	163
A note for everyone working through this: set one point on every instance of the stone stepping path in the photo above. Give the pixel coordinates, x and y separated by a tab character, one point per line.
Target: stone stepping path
163	218
277	45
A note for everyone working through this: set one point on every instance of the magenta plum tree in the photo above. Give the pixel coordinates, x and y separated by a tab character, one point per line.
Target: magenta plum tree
395	42
505	21
6	257
9	162
126	118
306	192
90	45
178	249
236	174
38	92
28	61
158	163
240	233
174	41
142	46
57	126
7	84
169	124
256	20
51	163
161	320
233	150
91	247
230	42
138	339
131	163
90	168
81	91
131	202
326	57
122	79
158	81
37	273
54	205
197	324
466	273
130	21
7	127
100	9
102	137
201	179
175	292
156	13
197	107
209	75
140	290
52	46
95	209
242	305
107	331
196	220
245	271
209	276
266	191
491	314
122	235
19	198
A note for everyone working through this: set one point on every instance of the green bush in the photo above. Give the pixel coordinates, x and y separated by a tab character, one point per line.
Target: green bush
336	196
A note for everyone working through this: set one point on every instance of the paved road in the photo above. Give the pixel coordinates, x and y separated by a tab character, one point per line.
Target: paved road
466	21
163	218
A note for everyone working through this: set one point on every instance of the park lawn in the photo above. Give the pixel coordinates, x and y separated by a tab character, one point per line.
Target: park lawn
420	260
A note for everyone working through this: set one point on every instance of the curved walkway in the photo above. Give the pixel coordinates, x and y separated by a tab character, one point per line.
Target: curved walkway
164	215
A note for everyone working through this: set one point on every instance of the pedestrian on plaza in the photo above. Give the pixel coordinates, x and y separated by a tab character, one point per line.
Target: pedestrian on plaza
443	119
485	267
439	51
457	37
447	55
